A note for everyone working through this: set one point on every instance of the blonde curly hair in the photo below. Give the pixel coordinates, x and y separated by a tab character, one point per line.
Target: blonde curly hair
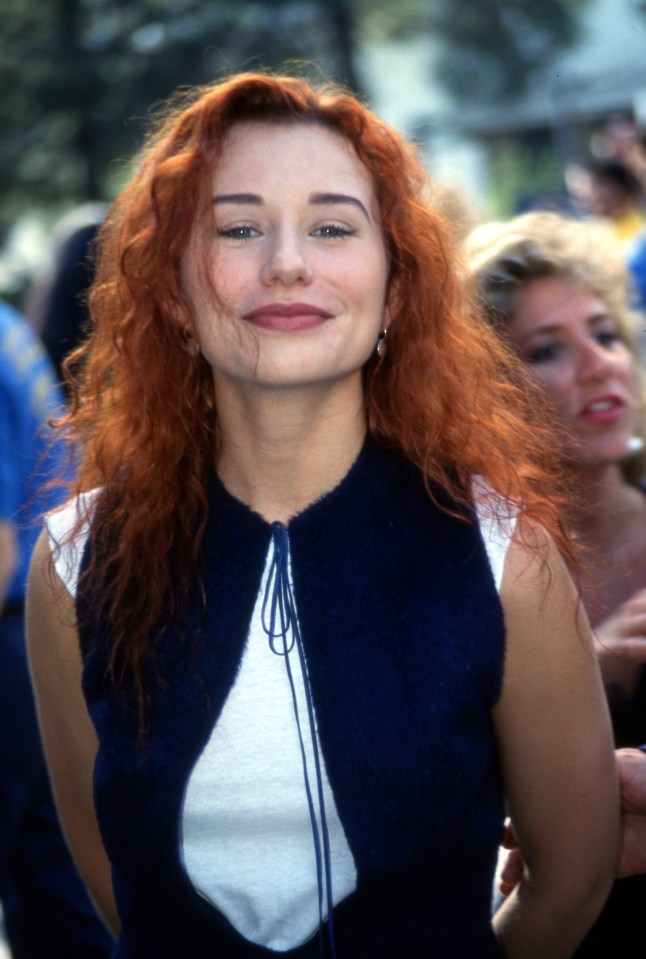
502	257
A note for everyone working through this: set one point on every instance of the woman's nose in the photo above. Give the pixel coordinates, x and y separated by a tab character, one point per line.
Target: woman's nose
286	261
594	361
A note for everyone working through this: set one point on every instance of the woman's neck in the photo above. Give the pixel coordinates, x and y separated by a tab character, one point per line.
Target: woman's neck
281	450
607	508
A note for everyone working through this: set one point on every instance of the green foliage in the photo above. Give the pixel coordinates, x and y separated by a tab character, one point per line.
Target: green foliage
522	170
79	77
388	20
491	48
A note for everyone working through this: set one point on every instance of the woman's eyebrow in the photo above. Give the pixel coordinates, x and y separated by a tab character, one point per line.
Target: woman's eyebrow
316	199
549	329
602	316
251	198
328	199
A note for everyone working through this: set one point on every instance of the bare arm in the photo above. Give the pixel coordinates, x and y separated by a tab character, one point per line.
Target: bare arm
67	731
557	758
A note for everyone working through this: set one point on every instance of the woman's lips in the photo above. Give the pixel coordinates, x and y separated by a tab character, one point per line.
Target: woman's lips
287	317
603	409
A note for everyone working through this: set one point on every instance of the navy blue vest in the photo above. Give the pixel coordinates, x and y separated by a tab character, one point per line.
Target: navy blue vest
404	638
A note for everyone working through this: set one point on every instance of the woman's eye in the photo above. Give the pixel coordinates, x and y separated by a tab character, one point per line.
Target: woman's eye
332	231
543	354
238	232
607	338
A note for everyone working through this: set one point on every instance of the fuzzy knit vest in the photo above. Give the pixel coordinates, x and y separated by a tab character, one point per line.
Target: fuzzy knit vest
403	636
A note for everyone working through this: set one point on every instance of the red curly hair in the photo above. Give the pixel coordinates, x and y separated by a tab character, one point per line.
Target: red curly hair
144	419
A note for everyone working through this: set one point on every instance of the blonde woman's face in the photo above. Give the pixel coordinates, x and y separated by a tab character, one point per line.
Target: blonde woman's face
575	353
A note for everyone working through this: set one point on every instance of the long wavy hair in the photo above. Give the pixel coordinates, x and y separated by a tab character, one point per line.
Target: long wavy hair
144	419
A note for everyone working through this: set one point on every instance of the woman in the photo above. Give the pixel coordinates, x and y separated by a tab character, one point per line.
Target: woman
556	289
290	632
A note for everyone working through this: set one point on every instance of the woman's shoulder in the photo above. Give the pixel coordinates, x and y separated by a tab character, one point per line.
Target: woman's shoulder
68	528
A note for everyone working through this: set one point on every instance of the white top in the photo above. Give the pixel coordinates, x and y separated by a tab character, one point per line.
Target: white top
66	552
246	832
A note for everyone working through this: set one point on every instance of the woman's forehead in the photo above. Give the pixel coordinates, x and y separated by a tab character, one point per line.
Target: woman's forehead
270	152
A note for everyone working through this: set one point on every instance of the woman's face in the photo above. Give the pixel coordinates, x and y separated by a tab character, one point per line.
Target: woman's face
575	353
297	259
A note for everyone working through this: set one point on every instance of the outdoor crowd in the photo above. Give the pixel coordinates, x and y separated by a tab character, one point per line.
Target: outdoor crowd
323	554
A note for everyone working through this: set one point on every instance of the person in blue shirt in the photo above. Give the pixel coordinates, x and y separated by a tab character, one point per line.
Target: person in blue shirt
46	910
636	259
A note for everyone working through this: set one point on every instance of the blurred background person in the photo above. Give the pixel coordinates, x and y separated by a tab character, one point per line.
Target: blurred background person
56	304
624	140
613	187
557	290
610	190
636	260
47	912
636	249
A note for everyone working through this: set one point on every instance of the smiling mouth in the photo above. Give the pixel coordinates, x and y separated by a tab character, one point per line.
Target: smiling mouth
287	317
603	410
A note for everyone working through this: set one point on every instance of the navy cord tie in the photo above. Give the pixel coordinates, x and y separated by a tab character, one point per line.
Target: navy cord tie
280	622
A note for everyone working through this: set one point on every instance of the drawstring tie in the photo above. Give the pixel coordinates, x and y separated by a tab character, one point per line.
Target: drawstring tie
280	622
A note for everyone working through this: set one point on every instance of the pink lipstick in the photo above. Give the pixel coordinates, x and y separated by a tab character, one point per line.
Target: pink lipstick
603	409
287	317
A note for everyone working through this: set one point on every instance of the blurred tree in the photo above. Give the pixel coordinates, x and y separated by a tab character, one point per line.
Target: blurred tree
493	48
78	76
